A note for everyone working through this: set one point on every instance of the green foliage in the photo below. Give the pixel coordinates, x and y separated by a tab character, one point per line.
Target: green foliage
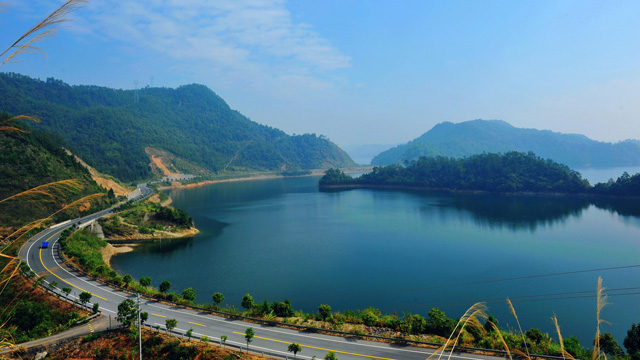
572	346
189	294
191	122
217	298
66	290
535	335
31	159
85	248
324	311
248	335
171	324
478	136
95	308
165	285
127	312
438	323
488	324
632	340
85	297
499	173
294	348
127	279
247	302
330	356
32	319
145	281
144	316
369	318
610	346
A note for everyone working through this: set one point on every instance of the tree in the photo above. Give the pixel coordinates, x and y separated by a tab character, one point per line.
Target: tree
127	312
330	356
165	286
248	335
217	298
223	340
85	297
247	302
632	340
609	345
53	285
66	290
488	325
171	324
189	294
438	323
144	316
324	311
189	333
127	279
294	348
145	281
96	308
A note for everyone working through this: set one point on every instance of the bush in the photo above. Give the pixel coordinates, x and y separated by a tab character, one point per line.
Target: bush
324	311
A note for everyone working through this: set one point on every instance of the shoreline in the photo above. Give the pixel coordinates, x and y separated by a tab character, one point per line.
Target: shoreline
315	172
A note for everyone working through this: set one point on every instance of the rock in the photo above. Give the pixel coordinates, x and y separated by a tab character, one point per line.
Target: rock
40	356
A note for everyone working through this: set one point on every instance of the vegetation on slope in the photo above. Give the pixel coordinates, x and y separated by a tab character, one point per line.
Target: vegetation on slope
503	173
110	131
37	178
145	218
478	136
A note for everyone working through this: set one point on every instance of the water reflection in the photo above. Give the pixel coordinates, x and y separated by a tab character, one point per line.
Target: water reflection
516	213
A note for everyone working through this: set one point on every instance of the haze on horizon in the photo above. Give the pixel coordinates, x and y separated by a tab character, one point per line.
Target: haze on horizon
362	72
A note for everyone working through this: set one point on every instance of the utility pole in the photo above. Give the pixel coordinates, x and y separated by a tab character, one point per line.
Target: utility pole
139	327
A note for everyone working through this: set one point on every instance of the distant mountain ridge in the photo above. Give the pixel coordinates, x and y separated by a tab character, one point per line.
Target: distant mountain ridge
107	129
497	136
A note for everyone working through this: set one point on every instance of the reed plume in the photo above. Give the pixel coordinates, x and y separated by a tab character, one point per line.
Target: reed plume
49	190
513	311
5	126
45	29
470	318
601	302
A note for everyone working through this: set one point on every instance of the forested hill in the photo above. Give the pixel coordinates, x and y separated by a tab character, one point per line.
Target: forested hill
494	136
512	172
110	131
38	178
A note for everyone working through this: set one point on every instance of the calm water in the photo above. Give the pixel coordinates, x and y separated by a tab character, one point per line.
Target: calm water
404	251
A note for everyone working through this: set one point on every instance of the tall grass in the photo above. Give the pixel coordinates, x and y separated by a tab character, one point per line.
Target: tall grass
41	31
5	125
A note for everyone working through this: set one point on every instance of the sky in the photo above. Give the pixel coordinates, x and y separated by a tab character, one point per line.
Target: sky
361	71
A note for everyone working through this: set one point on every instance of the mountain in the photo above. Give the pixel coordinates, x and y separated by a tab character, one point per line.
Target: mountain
110	131
362	154
495	136
38	178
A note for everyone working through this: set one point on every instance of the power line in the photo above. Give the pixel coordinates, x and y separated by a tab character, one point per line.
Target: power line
484	282
524	298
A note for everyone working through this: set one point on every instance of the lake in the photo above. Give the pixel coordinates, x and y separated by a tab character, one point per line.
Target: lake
402	251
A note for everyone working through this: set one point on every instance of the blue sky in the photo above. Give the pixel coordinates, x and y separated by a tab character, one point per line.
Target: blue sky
362	72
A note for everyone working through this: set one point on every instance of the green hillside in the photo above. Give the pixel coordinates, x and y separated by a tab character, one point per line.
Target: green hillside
110	131
494	136
34	159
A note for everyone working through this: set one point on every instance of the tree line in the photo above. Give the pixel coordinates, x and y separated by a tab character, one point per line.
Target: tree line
511	172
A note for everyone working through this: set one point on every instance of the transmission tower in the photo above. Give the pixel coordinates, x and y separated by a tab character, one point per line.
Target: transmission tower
136	96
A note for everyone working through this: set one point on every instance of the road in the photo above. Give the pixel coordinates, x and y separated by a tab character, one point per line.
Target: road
274	340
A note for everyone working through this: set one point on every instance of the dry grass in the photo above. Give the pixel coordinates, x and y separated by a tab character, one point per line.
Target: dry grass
601	302
513	311
470	318
48	191
6	126
43	30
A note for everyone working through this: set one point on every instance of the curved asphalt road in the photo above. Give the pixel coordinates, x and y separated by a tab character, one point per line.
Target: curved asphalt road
46	262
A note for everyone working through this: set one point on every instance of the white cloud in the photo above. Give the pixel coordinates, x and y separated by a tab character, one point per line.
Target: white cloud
248	38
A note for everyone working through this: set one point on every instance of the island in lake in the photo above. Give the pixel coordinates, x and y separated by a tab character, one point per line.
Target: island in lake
511	172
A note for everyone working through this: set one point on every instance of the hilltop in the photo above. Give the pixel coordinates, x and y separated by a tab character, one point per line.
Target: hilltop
496	136
110	131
